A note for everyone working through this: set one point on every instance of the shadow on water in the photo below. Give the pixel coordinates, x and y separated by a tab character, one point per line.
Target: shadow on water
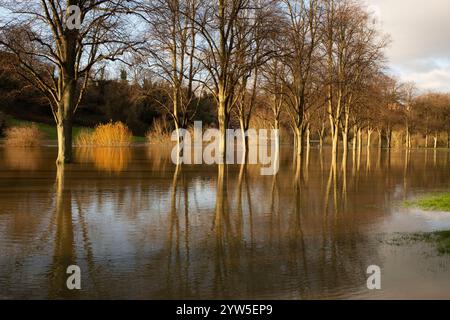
140	227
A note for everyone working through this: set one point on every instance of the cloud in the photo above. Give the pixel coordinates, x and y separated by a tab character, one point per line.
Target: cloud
420	31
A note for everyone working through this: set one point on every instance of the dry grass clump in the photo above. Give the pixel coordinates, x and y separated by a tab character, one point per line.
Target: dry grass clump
160	133
24	136
106	135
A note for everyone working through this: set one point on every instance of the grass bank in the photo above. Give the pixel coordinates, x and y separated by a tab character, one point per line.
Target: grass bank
50	130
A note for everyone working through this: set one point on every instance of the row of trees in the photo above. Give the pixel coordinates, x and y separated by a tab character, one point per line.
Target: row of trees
314	66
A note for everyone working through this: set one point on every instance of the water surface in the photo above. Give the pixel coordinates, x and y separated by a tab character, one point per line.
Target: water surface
140	227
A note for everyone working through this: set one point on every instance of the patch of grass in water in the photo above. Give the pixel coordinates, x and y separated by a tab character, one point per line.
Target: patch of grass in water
443	241
439	238
438	202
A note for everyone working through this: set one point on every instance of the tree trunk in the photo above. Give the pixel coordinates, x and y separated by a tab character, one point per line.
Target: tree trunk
407	138
64	131
335	141
388	138
380	139
359	140
320	140
223	123
308	139
426	141
435	141
299	141
345	136
355	137
345	142
369	138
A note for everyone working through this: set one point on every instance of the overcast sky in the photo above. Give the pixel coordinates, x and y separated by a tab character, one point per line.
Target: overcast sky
420	34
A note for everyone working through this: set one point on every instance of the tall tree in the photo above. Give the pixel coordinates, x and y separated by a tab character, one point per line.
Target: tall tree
223	51
56	43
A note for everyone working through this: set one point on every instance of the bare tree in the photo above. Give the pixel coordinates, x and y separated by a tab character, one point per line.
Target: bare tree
57	55
353	49
223	51
301	41
170	52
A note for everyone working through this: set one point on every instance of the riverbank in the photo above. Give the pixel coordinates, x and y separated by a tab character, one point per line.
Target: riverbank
50	130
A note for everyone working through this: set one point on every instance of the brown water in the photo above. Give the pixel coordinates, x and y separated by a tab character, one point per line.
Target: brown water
140	228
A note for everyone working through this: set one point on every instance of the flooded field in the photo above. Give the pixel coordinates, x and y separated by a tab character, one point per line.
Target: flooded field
140	227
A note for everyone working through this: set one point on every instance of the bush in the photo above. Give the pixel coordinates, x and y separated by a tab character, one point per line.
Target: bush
159	133
108	135
25	136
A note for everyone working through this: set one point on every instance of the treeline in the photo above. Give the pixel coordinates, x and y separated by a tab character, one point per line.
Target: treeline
313	67
107	98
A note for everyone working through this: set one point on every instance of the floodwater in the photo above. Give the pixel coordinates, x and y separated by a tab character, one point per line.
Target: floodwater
139	227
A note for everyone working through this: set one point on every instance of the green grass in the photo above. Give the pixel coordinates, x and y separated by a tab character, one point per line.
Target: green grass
50	130
438	202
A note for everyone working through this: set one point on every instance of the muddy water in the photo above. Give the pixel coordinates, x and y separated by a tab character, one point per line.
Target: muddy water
139	227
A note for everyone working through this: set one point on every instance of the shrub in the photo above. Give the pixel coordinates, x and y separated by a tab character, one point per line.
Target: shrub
108	135
24	136
159	133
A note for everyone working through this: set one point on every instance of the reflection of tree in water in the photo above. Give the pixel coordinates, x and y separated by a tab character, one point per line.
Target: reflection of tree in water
64	251
227	232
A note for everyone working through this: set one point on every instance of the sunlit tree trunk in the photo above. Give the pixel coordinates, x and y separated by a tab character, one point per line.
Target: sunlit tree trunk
369	138
298	141
380	139
435	137
308	139
223	123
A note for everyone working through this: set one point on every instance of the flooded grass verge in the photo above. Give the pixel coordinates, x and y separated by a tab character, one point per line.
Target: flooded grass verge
440	239
435	202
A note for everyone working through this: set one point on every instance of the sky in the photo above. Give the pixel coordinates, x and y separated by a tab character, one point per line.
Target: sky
420	35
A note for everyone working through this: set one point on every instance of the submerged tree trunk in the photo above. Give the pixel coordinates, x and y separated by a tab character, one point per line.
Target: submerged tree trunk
345	130
407	136
299	141
380	139
320	139
388	137
359	140
369	138
64	131
223	123
64	117
308	139
355	137
334	140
